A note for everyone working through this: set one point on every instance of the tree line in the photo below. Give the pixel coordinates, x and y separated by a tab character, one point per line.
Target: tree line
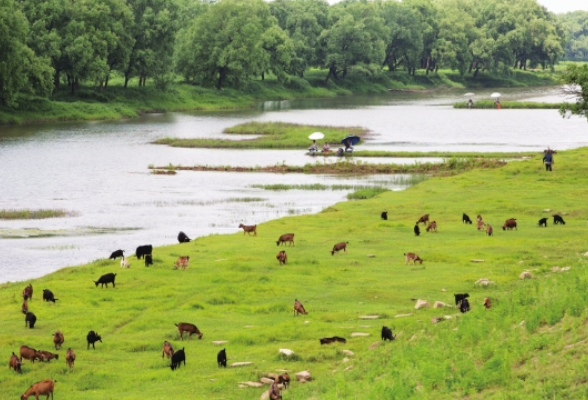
51	43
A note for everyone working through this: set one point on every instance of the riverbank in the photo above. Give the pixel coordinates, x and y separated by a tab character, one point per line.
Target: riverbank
529	105
115	102
235	291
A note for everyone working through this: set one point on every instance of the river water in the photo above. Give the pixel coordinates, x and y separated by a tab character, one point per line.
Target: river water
98	170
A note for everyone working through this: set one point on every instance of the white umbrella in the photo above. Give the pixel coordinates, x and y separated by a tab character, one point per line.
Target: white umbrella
316	136
468	94
495	95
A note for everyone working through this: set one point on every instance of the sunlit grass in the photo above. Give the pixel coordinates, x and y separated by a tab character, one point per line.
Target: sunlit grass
35	214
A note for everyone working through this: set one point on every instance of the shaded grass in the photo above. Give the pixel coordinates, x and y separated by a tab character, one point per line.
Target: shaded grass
364	194
35	214
531	105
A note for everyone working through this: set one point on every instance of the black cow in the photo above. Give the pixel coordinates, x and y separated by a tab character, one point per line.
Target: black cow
177	359
183	238
387	334
417	230
459	297
466	219
48	296
30	319
143	251
385	215
221	358
148	260
558	220
464	306
542	221
116	254
92	338
106	279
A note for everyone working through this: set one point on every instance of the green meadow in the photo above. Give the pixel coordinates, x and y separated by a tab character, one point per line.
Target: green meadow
531	344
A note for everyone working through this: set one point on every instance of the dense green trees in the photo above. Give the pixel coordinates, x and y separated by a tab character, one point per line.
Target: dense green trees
576	26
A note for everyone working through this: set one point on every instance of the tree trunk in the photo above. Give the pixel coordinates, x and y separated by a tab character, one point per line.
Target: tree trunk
331	73
476	72
222	74
263	76
427	64
344	73
56	79
101	86
73	88
106	81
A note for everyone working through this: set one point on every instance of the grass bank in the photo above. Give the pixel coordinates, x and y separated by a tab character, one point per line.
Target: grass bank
531	105
432	154
35	214
530	344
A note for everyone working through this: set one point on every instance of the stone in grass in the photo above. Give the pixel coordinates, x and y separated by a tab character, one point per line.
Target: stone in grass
374	345
440	304
219	342
483	282
359	334
348	352
371	256
421	304
251	384
402	315
526	275
287	352
434	320
369	317
241	364
266	381
477	260
303	376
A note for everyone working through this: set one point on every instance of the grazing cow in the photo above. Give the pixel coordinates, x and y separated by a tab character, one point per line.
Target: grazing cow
542	222
459	297
417	230
339	246
489	230
478	217
412	257
15	363
480	225
116	254
387	334
93	337
28	353
24	307
177	359
106	279
45	387
248	229
274	392
432	227
70	358
282	257
558	220
58	339
48	296
167	350
189	328
182	262
284	379
47	356
148	260
384	215
143	251
299	308
509	224
124	263
27	293
466	219
30	319
329	340
286	237
221	358
183	238
464	306
424	219
487	303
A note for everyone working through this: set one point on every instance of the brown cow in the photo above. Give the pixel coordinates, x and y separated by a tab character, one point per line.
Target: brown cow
412	257
39	388
189	328
182	262
286	237
282	257
509	224
58	339
283	379
274	392
24	307
424	219
487	303
299	308
70	358
489	230
47	356
480	225
27	293
478	217
28	353
329	340
15	363
167	350
432	227
248	229
339	246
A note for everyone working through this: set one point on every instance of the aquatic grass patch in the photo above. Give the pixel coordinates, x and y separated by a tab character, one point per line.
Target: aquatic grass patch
36	214
163	172
529	105
442	154
366	193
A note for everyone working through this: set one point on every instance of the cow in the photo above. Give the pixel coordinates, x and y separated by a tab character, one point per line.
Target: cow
116	254
27	292
167	350
28	353
93	337
148	260
274	392
489	230
143	251
299	308
24	307
412	257
182	262
106	279
478	217
480	225
466	219
283	379
282	257
177	359
558	220
47	356
70	358
459	297
424	219
183	238
286	237
417	230
189	328
542	222
384	215
509	224
387	334
58	339
432	227
48	296
221	358
329	340
487	303
338	247
124	263
45	387
464	306
248	229
30	319
15	363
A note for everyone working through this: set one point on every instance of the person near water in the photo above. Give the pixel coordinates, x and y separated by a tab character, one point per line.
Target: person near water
497	104
313	147
548	160
470	103
326	148
348	146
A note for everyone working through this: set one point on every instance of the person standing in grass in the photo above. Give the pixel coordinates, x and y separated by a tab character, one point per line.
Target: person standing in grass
548	159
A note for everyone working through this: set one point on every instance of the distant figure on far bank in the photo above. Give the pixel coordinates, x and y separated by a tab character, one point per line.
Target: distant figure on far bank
470	103
497	104
313	147
548	159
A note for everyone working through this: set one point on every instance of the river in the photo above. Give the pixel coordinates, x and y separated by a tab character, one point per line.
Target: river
98	170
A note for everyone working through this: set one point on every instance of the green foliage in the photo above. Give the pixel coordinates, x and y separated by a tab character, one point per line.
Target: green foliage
576	26
577	75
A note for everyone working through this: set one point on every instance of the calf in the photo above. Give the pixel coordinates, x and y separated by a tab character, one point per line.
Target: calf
142	251
167	350
148	260
339	246
28	353
509	224
177	359
24	307
329	340
15	363
384	215
48	296
466	219
274	392
489	230
47	356
459	297
40	388
387	334
282	257
182	262
464	306
558	220
480	225
124	263
412	257
27	292
284	379
424	219
58	339
93	337
106	279
116	254
542	222
70	358
299	308
487	303
286	237
432	227
221	358
30	319
478	217
249	229
183	238
189	328
417	230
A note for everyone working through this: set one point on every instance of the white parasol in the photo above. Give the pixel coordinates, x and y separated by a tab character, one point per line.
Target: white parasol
468	94
316	136
495	95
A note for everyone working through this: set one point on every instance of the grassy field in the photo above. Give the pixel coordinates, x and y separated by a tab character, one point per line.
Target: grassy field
436	154
531	344
531	105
